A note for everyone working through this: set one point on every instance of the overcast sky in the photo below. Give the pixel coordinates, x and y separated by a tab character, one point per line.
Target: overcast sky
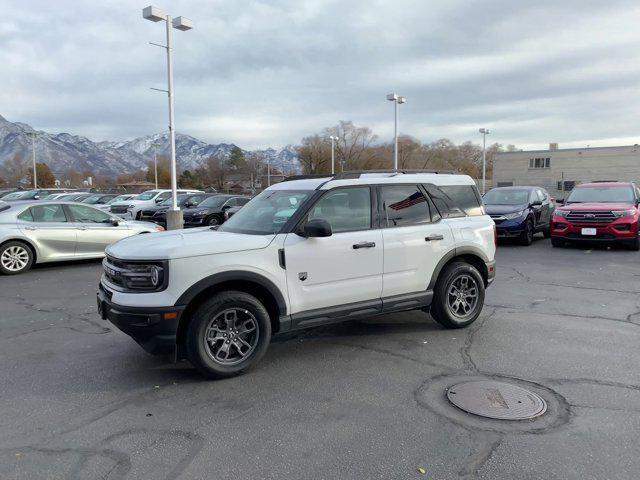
267	73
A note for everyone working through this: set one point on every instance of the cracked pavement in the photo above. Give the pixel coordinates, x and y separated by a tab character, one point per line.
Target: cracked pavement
80	400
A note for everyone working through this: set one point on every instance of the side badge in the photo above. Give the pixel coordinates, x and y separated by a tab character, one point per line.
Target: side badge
302	276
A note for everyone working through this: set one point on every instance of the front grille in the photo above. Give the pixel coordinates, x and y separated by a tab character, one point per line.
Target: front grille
113	270
590	217
118	209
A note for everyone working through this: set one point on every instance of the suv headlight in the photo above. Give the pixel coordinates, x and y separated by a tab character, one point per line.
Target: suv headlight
136	276
514	215
562	213
624	213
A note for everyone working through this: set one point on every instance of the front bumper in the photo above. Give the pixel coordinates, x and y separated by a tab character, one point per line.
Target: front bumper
194	221
153	328
622	229
510	228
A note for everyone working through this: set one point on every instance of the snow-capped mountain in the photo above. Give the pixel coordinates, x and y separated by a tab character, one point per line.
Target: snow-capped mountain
63	151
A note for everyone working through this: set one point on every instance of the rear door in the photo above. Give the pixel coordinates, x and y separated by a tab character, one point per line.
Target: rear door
49	228
95	230
344	268
415	239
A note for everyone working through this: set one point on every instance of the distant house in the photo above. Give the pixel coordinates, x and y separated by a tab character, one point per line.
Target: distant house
137	186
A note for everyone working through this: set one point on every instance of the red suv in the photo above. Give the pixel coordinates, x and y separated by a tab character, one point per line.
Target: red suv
606	212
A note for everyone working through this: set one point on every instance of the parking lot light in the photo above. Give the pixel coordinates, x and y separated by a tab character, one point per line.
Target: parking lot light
484	132
396	99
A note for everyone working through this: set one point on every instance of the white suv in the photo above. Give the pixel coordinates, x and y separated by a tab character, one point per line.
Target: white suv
130	209
303	253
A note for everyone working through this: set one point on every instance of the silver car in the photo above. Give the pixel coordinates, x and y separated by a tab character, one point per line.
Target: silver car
48	231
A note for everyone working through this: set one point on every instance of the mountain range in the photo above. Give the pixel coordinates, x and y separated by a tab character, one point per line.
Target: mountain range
63	151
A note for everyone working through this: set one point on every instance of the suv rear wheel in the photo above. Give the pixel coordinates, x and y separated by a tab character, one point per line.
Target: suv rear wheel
459	296
228	334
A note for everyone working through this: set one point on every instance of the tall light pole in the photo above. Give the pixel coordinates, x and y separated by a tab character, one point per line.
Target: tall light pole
484	132
396	99
154	14
155	162
33	158
333	154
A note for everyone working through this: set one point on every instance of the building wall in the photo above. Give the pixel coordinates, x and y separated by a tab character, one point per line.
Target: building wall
578	165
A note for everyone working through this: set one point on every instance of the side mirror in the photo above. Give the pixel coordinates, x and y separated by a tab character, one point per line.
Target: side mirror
317	228
226	207
158	200
536	203
115	223
560	201
36	197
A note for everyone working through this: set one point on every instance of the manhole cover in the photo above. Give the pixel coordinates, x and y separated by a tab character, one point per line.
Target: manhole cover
498	400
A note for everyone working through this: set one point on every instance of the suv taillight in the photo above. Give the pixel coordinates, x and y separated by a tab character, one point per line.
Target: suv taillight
495	235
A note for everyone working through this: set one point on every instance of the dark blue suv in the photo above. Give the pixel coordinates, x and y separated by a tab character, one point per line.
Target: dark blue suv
520	212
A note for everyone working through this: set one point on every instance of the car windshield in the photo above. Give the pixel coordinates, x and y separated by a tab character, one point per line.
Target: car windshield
147	195
21	195
92	199
506	197
118	198
213	202
623	194
267	213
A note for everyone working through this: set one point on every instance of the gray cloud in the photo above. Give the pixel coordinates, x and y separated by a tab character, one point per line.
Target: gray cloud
266	73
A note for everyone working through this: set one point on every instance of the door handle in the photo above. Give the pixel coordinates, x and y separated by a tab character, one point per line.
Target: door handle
30	228
433	237
82	228
364	245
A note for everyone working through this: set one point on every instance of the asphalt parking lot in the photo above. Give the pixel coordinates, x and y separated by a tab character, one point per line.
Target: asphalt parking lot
361	400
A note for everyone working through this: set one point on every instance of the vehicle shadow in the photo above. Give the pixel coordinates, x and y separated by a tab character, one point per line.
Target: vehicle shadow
66	264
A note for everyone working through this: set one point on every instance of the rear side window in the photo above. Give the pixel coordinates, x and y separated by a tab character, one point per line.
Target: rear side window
459	200
26	216
48	213
405	205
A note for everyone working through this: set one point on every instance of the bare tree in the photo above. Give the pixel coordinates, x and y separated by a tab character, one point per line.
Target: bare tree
16	168
314	154
354	146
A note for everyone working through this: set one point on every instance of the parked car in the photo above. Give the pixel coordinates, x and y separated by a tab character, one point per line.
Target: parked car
231	211
132	208
303	253
603	212
47	231
7	191
520	212
37	194
74	196
107	206
99	198
158	213
211	211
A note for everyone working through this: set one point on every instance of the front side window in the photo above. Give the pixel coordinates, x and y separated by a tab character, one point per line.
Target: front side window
48	213
84	214
346	209
405	205
265	214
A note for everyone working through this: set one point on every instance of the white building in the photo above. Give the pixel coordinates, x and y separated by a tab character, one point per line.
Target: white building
548	168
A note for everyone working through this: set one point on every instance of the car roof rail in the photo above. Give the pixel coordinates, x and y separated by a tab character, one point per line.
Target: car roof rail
358	173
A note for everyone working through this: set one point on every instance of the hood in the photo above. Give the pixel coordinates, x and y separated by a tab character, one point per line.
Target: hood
590	206
503	209
132	202
185	243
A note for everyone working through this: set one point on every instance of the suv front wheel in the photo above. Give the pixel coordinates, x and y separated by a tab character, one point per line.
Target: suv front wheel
458	296
228	334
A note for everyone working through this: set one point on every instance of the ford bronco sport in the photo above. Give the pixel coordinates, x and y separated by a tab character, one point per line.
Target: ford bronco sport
304	252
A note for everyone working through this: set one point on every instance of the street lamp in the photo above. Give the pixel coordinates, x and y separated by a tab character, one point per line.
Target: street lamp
484	132
333	154
154	14
396	99
33	136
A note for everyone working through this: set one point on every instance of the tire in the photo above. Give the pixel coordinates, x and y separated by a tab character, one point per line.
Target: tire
634	244
213	221
557	242
526	237
15	257
444	309
214	318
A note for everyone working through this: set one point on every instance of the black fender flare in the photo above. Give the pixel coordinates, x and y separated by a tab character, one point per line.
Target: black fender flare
455	252
233	275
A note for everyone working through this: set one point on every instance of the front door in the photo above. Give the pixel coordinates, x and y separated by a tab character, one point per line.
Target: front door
342	272
95	230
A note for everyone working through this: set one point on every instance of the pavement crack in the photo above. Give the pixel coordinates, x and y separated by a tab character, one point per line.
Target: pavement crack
488	442
465	350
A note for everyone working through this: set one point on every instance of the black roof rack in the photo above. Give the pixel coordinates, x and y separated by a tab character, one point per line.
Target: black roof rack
357	173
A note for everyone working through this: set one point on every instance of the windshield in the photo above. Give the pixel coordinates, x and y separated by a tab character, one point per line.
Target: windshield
21	195
601	194
506	197
119	198
267	213
92	199
147	195
213	202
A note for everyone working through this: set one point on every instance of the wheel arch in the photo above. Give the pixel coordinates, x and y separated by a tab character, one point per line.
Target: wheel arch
471	255
252	283
28	243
